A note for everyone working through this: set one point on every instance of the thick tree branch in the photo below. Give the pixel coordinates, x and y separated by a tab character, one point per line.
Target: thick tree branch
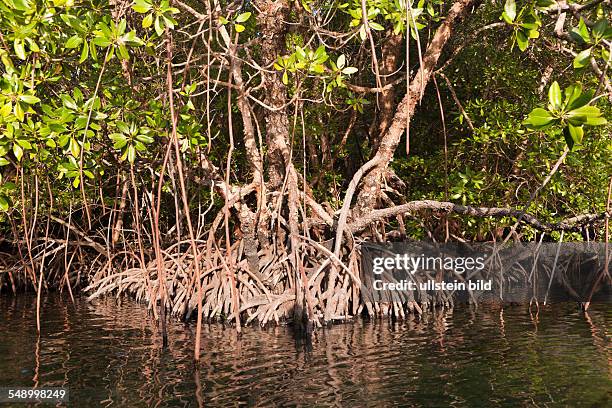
568	224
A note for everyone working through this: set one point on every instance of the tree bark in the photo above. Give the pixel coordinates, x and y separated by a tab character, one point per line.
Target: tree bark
370	191
270	21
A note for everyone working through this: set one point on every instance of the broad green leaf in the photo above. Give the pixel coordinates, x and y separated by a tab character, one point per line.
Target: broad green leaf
123	52
131	154
243	17
544	4
3	161
159	29
506	18
24	144
349	70
147	21
539	119
5	111
596	121
122	126
68	102
341	61
145	139
599	29
18	111
169	22
119	140
510	9
581	33
4	204
522	40
573	135
239	28
582	58
580	100
572	93
554	95
75	149
29	99
101	41
19	49
375	26
141	6
17	151
74	41
84	52
584	115
362	33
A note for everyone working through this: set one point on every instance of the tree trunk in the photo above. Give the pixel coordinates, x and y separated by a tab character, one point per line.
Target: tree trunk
370	191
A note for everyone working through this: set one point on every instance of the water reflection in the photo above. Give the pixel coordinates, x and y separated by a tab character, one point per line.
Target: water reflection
110	354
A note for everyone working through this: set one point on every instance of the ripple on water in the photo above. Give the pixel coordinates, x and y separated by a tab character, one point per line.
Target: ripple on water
109	353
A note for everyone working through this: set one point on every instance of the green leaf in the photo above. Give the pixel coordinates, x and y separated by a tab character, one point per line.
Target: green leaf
147	21
75	149
375	26
29	99
522	40
18	111
510	9
17	151
68	102
341	61
223	20
19	49
554	95
581	33
122	126
141	6
239	28
119	140
506	18
362	33
159	29
573	135
3	161
84	52
572	93
145	139
579	100
101	41
539	119
585	115
582	58
544	4
169	22
596	121
131	154
73	41
599	29
123	52
24	144
4	204
349	70
243	17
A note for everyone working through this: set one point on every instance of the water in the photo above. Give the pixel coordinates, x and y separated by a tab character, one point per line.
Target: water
110	354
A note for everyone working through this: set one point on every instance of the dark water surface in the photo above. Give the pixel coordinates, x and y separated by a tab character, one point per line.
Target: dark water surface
110	354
